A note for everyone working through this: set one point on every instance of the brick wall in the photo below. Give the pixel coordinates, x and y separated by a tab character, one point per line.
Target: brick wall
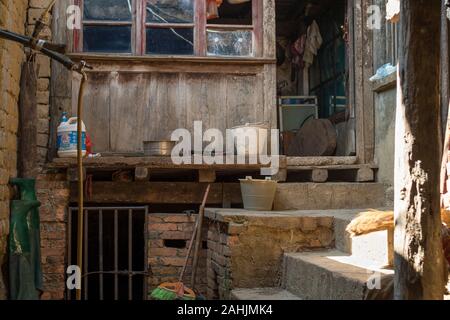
53	192
165	263
12	17
246	251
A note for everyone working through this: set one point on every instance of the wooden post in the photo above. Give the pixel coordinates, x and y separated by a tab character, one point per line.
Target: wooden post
419	264
27	147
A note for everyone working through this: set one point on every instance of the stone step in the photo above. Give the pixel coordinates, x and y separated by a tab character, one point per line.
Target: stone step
327	275
267	294
329	196
375	249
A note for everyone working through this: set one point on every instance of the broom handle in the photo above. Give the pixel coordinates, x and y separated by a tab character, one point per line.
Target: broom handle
199	237
194	234
191	245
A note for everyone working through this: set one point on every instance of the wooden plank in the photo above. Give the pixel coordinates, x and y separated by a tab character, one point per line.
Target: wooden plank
127	112
165	66
110	163
359	27
269	27
167	60
270	95
243	101
368	96
159	193
420	268
96	115
61	78
320	161
333	167
27	165
207	101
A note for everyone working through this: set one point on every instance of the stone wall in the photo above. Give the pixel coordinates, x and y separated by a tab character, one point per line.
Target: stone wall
12	17
245	249
53	192
168	241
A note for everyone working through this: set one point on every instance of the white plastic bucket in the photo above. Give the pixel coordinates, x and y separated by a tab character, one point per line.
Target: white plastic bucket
67	139
258	131
258	195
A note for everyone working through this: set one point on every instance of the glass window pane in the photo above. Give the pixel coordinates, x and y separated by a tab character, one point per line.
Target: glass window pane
170	41
115	10
114	39
170	11
230	43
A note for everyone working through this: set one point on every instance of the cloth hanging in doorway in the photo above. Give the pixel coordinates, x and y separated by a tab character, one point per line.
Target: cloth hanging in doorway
313	43
212	9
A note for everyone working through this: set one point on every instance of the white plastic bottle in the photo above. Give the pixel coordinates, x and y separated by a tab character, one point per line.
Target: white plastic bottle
67	139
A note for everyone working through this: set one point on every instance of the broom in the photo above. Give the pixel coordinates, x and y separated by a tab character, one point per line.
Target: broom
177	290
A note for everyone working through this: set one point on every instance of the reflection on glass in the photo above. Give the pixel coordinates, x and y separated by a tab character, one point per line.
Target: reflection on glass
177	41
113	39
115	10
230	43
170	11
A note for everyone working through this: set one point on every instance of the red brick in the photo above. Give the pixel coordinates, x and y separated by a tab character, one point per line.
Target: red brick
154	219
163	252
155	243
168	261
180	218
175	235
163	227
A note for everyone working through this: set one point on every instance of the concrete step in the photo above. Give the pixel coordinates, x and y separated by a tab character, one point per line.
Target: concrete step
329	196
267	294
375	249
327	275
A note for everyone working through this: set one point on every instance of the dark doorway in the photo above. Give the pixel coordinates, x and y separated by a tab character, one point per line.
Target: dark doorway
115	252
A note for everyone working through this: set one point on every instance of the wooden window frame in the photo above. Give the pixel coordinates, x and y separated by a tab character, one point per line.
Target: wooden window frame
199	25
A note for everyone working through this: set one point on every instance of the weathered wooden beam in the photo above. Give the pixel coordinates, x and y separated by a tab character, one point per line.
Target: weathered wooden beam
319	175
27	146
365	174
320	161
419	263
160	193
206	176
116	163
141	174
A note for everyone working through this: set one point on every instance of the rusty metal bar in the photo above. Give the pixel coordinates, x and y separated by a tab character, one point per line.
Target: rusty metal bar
86	252
116	254
100	251
130	254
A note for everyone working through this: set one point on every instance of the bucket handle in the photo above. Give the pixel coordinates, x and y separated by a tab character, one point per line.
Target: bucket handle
72	120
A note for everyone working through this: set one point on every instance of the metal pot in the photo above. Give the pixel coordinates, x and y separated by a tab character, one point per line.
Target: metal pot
158	148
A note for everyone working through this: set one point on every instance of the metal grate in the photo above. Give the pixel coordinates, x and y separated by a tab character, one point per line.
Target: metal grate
115	252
